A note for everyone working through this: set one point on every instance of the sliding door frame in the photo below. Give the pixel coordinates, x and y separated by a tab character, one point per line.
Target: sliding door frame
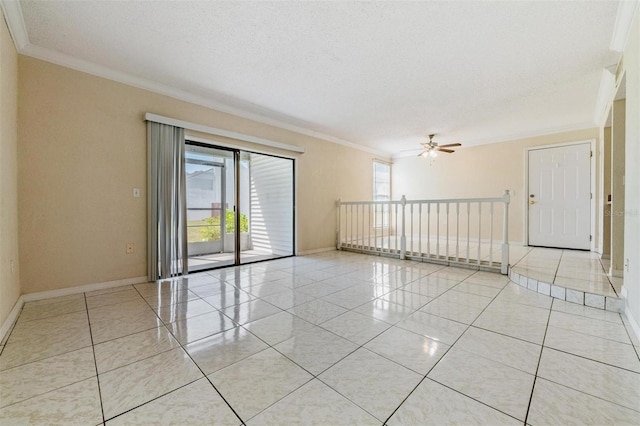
190	140
236	217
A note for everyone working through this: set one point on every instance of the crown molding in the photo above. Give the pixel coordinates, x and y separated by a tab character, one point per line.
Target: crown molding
609	80
15	20
407	154
509	138
622	27
605	96
68	61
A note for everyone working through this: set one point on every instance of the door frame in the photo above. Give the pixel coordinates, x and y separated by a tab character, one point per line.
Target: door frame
234	147
525	192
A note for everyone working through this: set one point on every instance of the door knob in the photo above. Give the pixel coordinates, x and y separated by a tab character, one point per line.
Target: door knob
532	202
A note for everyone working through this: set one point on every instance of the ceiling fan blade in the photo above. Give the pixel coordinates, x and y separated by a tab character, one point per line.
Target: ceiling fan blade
422	153
448	151
450	144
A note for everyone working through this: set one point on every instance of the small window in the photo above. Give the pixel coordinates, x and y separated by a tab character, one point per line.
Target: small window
381	181
381	192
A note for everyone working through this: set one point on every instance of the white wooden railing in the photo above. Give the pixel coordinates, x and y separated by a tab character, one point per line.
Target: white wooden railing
467	232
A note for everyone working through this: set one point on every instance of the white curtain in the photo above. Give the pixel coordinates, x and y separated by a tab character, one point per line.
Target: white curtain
166	189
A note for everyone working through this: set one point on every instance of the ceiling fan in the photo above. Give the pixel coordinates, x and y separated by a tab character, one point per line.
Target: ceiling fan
432	148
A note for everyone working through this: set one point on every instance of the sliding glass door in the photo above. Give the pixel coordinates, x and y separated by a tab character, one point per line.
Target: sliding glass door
268	184
239	206
210	206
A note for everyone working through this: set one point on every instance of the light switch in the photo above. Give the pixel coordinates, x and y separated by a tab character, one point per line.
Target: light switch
136	192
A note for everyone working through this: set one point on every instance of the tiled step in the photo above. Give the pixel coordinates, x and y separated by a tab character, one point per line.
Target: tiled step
599	301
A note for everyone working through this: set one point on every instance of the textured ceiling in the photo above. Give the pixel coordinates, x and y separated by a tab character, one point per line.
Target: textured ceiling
378	74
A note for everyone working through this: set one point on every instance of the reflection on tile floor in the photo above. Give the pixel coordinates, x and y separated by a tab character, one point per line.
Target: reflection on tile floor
332	338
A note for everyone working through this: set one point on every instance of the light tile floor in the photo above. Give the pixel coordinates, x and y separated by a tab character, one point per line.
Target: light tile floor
579	271
571	269
334	338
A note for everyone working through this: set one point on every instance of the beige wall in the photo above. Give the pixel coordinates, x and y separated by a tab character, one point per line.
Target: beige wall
632	180
9	276
478	171
617	186
82	150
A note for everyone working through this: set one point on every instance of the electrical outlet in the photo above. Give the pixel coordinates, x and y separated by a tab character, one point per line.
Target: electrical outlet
12	264
136	192
129	248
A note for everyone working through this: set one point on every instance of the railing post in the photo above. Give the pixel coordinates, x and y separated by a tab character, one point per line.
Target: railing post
504	266
403	237
338	236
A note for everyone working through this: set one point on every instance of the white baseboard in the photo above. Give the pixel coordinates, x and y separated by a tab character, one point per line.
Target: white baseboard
320	250
634	324
30	297
40	295
13	316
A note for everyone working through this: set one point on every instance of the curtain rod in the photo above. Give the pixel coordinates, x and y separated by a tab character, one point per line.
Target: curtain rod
220	132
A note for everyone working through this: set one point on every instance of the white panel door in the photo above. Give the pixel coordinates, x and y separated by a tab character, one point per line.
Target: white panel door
560	197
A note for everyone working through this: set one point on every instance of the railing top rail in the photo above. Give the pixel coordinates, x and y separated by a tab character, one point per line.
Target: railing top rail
504	199
458	200
360	203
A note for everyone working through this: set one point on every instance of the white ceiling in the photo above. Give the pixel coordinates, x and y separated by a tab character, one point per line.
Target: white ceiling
378	74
